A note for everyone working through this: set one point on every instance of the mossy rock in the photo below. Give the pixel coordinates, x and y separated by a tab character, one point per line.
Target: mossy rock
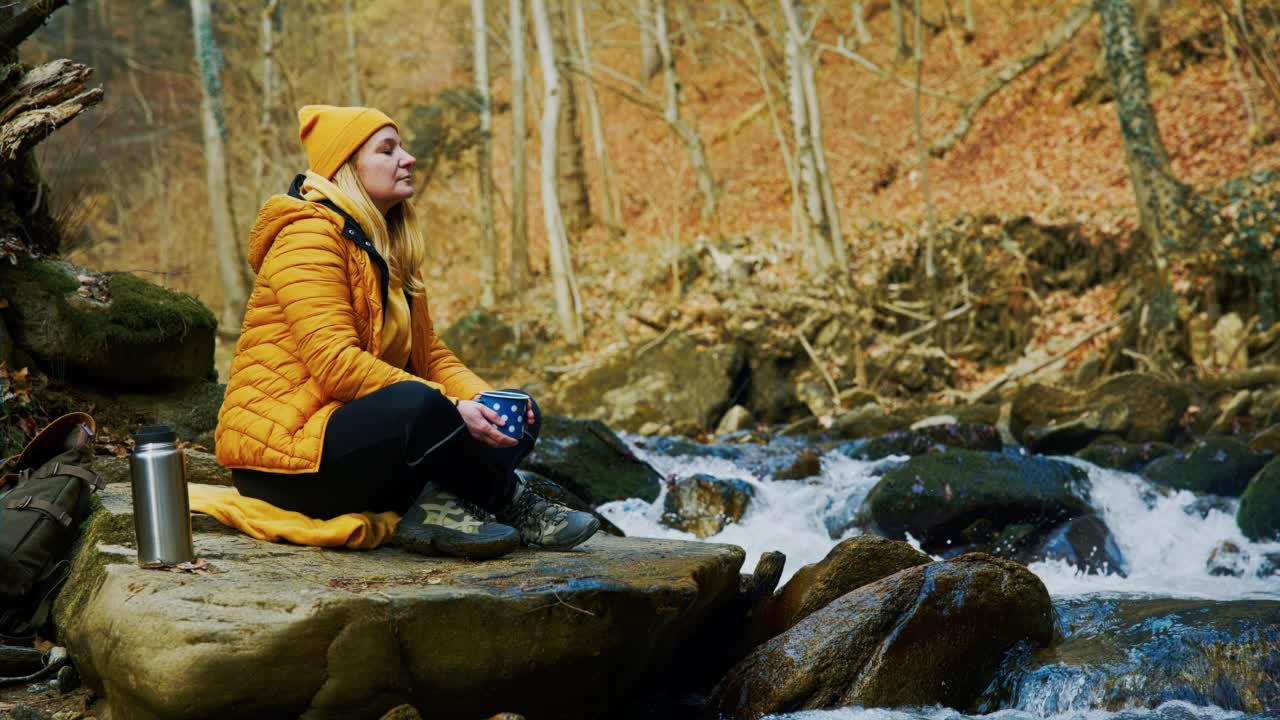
1135	406
968	500
1216	465
934	438
1259	513
142	336
191	410
589	460
1121	455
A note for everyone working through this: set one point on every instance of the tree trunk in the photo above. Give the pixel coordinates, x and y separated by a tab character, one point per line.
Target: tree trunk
484	151
568	306
571	163
970	24
900	49
234	292
612	216
858	27
835	235
930	269
671	112
650	59
1149	12
817	228
1169	212
266	130
519	154
1166	206
353	65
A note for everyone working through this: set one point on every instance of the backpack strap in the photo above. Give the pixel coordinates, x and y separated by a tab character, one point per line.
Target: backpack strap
58	468
49	510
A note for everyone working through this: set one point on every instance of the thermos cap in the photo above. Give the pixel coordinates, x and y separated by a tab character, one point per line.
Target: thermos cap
154	434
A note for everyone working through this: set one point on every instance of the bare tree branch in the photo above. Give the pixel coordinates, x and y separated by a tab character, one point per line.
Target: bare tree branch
864	62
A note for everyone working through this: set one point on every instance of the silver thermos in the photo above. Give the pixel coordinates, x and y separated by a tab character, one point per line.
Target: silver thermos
161	509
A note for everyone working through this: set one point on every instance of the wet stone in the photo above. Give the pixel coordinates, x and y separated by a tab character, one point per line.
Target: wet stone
704	504
357	633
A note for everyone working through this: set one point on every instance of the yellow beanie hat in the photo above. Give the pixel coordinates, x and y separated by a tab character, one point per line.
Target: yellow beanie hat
331	134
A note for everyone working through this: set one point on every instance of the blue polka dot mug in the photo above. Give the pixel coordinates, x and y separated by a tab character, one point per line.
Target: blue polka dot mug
511	407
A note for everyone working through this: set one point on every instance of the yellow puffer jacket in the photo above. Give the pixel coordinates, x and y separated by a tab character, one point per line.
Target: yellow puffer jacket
310	340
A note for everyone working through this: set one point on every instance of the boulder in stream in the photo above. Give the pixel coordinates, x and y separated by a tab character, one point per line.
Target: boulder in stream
929	439
1125	653
674	381
275	630
591	461
963	499
1136	406
1215	465
703	504
1117	454
1259	512
1086	543
851	564
931	634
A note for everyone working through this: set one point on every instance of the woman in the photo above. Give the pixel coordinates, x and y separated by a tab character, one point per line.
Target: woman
341	398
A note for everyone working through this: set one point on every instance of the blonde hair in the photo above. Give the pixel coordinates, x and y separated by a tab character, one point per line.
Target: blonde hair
398	237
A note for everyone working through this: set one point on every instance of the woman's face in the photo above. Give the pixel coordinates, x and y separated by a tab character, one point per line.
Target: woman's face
385	169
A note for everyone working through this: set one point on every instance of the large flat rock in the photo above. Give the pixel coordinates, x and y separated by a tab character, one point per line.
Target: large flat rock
287	631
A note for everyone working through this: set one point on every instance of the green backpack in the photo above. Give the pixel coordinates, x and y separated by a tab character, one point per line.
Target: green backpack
44	494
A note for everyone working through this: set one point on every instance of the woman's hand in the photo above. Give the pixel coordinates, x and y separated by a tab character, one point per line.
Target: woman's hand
480	422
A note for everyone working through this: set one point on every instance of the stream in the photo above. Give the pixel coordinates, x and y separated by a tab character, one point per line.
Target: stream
1126	640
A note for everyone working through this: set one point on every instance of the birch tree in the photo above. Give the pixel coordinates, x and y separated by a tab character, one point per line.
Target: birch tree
650	60
612	215
571	163
484	160
266	145
208	59
900	49
519	247
568	304
858	25
930	269
672	114
353	65
823	221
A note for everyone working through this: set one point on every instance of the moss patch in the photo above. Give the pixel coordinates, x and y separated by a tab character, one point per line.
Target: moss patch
1259	513
145	335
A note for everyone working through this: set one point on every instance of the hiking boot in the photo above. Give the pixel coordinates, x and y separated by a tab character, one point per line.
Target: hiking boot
546	524
441	523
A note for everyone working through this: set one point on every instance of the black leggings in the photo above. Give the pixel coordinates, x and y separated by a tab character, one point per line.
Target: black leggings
379	451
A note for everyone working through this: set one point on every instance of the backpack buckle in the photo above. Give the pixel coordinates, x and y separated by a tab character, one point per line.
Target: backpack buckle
22	503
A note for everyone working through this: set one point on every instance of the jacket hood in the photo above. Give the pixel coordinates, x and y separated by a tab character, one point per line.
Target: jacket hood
276	214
